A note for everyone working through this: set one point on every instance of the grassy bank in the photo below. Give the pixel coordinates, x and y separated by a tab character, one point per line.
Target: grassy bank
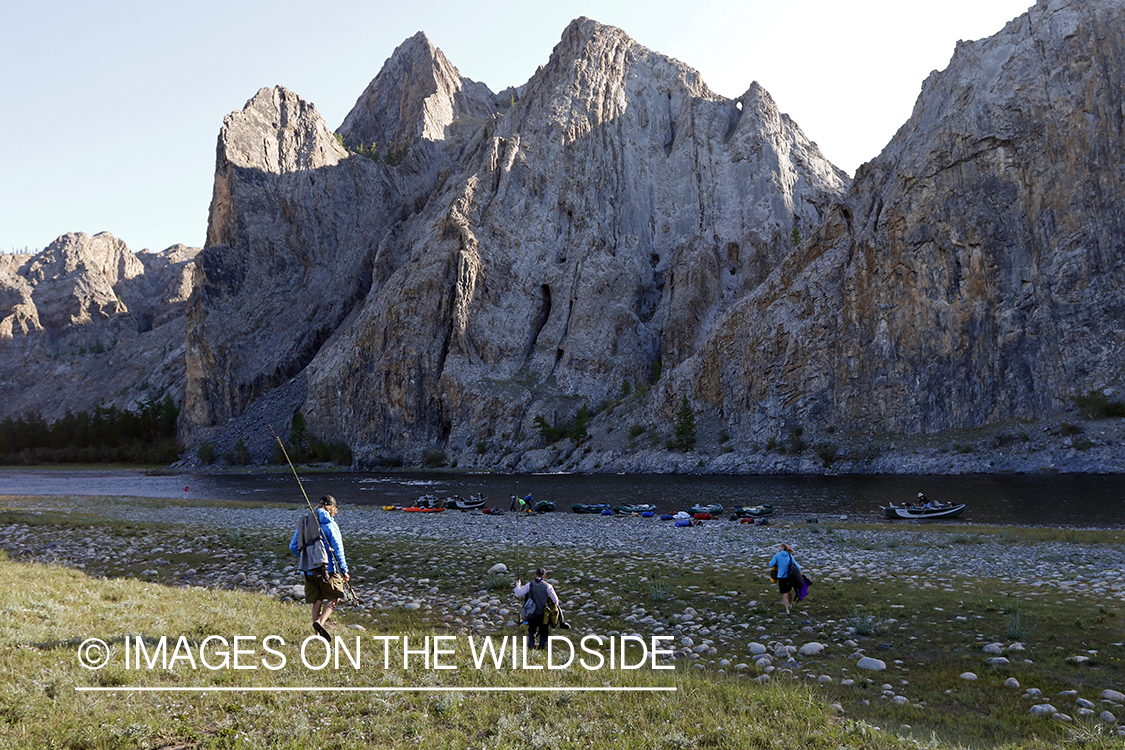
927	626
42	708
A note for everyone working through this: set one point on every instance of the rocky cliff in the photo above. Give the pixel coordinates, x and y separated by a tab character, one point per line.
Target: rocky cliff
973	272
588	236
88	322
461	270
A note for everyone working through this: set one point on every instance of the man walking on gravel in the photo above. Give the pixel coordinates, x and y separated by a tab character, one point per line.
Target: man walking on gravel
538	591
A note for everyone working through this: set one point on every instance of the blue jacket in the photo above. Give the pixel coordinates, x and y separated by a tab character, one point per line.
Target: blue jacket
782	560
331	532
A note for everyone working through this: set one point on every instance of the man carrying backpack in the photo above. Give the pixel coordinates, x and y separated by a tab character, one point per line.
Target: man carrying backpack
318	543
538	592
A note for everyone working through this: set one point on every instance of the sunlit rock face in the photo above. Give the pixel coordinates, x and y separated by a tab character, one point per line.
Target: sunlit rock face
973	273
88	322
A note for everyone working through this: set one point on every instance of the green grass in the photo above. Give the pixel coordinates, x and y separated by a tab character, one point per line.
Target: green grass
41	707
935	634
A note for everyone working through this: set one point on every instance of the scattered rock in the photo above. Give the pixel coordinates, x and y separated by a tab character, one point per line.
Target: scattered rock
875	665
811	649
1043	709
1012	682
968	676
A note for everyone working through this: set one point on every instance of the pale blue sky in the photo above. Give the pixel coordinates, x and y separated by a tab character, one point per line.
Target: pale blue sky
111	110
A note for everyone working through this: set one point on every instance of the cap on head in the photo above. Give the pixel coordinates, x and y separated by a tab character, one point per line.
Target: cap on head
328	501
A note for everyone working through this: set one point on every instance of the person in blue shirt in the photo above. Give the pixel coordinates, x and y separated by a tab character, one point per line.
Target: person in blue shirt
320	547
784	560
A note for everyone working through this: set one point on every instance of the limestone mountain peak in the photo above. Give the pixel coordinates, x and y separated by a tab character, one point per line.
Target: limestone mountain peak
417	95
86	321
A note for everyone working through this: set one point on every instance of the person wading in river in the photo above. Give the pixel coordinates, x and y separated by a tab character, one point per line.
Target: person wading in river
318	543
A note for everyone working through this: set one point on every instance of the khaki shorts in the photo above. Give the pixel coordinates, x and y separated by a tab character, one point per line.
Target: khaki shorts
317	588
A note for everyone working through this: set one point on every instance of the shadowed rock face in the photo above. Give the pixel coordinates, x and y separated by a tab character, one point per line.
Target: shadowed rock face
973	272
592	229
535	250
87	322
599	228
291	242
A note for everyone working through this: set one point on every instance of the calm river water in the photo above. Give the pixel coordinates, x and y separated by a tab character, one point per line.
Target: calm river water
1026	500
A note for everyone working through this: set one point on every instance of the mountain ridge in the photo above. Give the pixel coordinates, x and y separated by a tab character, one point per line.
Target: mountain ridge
614	235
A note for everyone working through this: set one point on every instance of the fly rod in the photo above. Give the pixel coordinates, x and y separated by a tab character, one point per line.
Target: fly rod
328	547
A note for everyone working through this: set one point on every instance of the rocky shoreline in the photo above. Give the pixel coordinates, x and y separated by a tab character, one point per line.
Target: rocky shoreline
1067	445
444	576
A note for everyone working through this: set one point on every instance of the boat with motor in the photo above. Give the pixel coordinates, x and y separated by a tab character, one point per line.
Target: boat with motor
590	508
753	511
947	510
634	508
714	509
459	503
428	501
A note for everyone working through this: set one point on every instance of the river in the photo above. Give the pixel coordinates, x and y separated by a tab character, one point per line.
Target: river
1077	500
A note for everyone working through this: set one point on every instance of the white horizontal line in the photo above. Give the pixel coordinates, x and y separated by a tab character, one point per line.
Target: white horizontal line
374	689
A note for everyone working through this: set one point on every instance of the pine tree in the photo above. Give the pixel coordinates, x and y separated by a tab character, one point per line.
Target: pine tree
685	427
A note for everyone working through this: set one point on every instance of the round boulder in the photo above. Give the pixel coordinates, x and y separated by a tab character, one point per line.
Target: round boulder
875	665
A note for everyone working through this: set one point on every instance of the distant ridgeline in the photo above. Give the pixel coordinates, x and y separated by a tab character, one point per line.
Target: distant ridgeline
108	434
